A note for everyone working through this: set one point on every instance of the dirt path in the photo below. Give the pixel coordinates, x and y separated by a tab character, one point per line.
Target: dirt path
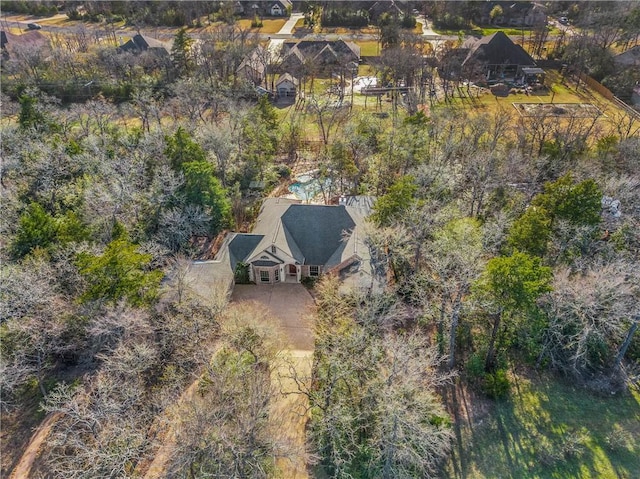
289	304
23	468
157	466
290	414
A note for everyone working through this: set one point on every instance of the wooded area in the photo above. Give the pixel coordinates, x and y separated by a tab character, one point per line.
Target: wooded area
509	243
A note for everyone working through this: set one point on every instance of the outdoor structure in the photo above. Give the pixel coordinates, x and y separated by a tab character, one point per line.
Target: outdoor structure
292	241
253	67
11	44
287	86
320	56
142	43
499	58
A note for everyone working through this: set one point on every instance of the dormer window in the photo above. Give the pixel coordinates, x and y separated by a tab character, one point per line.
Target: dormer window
274	250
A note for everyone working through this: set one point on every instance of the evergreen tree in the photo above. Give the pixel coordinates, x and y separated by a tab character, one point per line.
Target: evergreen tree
181	54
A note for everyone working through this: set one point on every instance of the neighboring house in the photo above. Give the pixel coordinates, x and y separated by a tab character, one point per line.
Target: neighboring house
515	14
497	57
287	85
11	44
280	8
277	8
253	68
537	15
238	9
392	7
292	241
321	56
142	43
630	58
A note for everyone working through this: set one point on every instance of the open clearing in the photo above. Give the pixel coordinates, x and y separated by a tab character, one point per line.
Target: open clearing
547	428
575	110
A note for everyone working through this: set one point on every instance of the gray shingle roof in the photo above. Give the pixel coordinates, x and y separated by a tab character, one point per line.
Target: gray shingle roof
142	43
498	49
241	246
318	230
262	262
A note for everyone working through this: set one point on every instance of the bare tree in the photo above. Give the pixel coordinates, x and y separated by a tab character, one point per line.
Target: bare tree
225	428
592	315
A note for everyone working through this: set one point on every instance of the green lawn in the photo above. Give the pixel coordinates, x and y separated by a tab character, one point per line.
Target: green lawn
268	25
547	429
369	48
485	31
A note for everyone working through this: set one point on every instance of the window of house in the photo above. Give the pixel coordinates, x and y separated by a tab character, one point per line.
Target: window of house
274	250
277	274
264	276
314	271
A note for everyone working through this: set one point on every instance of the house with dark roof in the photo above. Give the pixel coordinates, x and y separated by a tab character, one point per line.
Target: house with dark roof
395	8
11	44
515	14
142	43
497	57
320	56
292	241
629	58
273	8
279	8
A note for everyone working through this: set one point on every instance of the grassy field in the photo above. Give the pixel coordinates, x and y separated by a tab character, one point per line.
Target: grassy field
368	48
268	25
484	31
546	429
562	92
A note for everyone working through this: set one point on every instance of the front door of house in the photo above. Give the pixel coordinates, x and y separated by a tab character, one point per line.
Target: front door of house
293	271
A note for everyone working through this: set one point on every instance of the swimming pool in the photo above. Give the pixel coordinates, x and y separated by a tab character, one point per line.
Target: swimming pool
306	191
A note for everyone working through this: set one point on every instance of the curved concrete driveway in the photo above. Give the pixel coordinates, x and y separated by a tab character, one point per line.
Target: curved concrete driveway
290	304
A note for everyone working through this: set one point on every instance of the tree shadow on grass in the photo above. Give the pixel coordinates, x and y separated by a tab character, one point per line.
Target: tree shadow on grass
547	429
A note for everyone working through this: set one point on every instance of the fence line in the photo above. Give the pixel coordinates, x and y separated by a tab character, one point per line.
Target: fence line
605	92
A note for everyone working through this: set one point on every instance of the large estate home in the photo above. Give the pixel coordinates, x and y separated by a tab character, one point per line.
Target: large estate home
320	56
292	241
495	57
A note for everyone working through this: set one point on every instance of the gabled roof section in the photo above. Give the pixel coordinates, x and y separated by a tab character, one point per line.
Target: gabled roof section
254	60
287	77
283	3
318	231
241	247
33	39
142	43
326	55
344	51
498	49
269	224
629	58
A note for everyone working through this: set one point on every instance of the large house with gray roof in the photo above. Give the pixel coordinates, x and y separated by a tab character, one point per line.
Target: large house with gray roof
322	57
292	241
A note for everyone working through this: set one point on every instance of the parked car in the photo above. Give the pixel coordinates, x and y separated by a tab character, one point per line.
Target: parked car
34	26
